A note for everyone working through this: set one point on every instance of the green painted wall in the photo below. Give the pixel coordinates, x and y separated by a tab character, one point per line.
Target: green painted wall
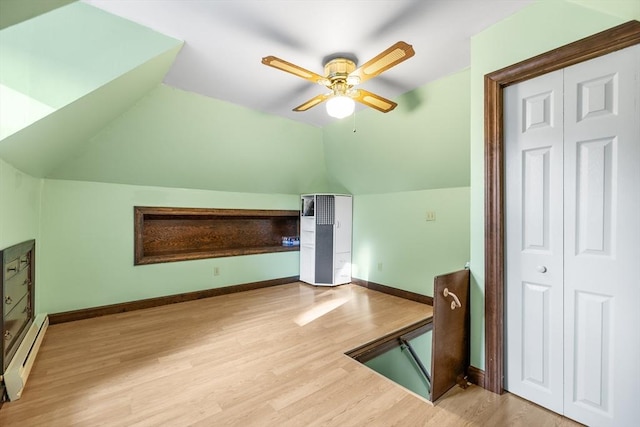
40	147
19	111
86	250
422	144
62	55
20	199
399	166
19	206
391	230
15	11
543	26
173	138
399	366
65	74
423	156
625	9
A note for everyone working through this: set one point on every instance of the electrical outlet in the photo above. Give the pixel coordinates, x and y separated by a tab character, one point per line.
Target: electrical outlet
431	216
216	271
379	266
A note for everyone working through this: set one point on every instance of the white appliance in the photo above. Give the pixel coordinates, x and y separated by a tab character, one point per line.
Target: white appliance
325	239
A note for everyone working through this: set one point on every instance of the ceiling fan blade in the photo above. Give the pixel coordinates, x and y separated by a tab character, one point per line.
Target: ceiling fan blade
391	57
312	102
283	65
374	101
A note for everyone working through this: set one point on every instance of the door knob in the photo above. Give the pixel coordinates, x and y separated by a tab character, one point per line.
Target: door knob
541	269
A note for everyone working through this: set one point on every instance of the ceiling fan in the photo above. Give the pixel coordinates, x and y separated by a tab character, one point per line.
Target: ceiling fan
341	76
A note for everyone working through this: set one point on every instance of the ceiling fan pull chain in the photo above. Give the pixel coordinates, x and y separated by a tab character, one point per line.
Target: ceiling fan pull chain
354	122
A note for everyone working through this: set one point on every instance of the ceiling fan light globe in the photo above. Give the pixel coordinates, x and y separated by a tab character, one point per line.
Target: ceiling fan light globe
340	106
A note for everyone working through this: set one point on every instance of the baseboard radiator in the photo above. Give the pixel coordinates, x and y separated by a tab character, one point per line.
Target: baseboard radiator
16	374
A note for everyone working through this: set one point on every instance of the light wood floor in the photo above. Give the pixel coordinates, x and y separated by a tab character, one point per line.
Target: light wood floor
269	357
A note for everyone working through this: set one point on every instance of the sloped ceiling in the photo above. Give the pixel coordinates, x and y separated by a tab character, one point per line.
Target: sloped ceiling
423	148
226	39
173	138
64	134
95	67
62	55
15	11
96	96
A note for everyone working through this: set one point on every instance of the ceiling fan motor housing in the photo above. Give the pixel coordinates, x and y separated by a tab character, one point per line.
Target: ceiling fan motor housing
339	68
337	73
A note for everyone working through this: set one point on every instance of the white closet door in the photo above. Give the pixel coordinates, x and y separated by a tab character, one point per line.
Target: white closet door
602	240
573	217
533	117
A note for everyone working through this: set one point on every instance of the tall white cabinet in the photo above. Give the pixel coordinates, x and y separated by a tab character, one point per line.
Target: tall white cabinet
325	239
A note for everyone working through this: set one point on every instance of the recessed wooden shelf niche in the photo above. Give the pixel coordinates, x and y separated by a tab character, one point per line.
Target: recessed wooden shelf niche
177	234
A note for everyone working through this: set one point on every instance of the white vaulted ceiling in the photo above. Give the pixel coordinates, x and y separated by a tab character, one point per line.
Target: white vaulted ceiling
225	41
142	91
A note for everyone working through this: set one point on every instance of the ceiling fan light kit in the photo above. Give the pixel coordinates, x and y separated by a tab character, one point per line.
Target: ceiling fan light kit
340	77
340	106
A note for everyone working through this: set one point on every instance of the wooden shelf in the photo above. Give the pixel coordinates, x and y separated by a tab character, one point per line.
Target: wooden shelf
164	234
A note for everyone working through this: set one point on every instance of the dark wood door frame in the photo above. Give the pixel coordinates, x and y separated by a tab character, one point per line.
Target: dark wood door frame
608	41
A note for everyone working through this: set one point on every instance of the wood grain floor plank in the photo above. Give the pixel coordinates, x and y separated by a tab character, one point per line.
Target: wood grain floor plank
267	357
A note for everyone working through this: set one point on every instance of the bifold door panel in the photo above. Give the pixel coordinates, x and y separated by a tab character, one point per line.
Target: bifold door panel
572	152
